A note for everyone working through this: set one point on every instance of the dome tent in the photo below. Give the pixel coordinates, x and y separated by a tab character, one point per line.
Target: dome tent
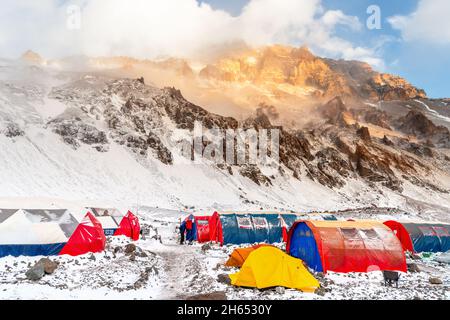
346	246
33	232
268	267
239	255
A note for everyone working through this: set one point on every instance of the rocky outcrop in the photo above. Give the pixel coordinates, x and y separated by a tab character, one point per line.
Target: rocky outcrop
390	87
374	169
376	117
364	134
335	112
75	131
12	130
254	173
184	113
415	123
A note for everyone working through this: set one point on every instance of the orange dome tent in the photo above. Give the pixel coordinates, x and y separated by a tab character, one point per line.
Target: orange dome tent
239	255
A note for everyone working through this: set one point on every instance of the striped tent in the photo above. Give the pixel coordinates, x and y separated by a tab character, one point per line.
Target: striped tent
34	232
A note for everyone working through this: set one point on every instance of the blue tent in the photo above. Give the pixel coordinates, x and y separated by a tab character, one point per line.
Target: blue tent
428	237
255	228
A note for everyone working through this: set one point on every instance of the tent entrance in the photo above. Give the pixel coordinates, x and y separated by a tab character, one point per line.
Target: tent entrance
303	246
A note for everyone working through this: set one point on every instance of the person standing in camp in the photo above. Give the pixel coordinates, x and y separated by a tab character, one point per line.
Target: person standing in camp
189	231
182	229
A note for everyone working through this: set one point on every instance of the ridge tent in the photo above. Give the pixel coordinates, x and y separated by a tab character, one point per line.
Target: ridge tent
346	246
269	267
422	237
240	228
239	255
109	219
34	232
114	223
129	226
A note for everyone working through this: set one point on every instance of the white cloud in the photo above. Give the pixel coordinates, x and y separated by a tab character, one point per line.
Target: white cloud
430	22
149	28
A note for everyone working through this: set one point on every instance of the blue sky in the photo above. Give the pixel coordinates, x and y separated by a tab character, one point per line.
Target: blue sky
426	65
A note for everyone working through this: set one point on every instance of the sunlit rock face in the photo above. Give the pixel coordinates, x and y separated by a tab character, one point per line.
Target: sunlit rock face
298	67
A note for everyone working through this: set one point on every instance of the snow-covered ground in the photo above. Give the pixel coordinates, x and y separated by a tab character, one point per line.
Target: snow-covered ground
165	270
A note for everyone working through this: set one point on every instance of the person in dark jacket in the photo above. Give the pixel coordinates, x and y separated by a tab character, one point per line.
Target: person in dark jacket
182	231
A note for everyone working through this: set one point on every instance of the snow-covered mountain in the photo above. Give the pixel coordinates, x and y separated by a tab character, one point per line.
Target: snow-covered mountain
93	135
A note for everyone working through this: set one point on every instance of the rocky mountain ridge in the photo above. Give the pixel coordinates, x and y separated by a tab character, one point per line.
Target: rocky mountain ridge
391	153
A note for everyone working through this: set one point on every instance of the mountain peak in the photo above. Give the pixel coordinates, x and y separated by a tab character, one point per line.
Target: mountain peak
32	57
278	68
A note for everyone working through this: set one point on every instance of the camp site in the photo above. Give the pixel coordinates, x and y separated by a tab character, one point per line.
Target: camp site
161	254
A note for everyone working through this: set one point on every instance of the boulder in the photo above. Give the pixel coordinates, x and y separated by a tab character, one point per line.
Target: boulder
141	254
130	248
36	272
206	247
224	278
413	267
280	290
435	280
322	291
133	256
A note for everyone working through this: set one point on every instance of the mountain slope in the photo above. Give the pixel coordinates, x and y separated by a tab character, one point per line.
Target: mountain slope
89	136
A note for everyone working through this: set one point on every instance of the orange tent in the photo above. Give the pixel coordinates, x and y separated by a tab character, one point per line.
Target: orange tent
239	255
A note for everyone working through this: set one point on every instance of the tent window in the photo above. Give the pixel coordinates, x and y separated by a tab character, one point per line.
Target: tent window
427	231
350	233
441	232
260	223
369	234
202	222
244	222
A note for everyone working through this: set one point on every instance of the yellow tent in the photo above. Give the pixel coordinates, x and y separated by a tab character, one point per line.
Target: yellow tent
270	267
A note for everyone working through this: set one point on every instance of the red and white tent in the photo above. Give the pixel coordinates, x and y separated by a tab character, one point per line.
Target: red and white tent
34	232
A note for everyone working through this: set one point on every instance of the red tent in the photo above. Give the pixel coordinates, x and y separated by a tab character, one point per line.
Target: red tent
402	234
129	226
87	237
209	228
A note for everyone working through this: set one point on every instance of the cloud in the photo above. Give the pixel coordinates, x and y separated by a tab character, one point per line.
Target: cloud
430	22
183	28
